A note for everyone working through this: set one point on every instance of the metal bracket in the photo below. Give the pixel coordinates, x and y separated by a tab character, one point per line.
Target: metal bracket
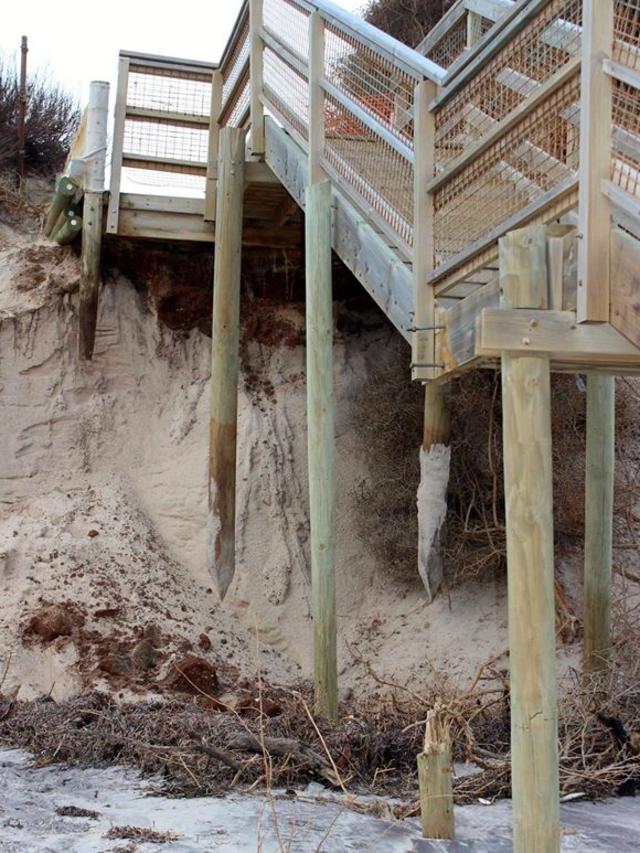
425	328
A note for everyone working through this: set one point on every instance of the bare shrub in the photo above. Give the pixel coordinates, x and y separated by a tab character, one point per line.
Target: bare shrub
51	121
407	20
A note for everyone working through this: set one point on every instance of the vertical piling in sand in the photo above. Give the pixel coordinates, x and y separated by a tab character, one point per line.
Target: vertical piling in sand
225	357
94	165
435	457
598	520
321	441
526	406
435	777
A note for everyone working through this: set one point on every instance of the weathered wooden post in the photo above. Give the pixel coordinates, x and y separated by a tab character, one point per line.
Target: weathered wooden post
320	420
22	108
321	440
526	405
225	357
598	520
435	778
94	164
256	62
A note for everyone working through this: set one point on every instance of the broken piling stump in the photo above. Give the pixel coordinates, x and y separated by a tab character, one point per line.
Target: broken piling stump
435	777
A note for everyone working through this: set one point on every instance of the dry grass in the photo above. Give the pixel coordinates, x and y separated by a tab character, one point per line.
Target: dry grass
407	20
194	750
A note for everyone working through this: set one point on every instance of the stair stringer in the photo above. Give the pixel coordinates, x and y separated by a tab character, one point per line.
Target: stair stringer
384	274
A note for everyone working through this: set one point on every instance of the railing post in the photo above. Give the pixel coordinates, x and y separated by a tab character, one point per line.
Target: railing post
212	151
316	97
256	72
120	113
595	163
423	341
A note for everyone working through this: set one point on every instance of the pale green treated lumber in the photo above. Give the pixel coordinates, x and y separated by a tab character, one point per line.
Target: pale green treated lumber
90	273
526	406
435	779
225	357
321	444
62	198
70	229
598	520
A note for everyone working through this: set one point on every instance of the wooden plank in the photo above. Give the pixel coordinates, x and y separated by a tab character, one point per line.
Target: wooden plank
524	279
552	333
449	20
625	285
225	359
526	424
595	163
161	203
598	526
321	445
163	164
456	343
621	72
117	145
197	122
562	266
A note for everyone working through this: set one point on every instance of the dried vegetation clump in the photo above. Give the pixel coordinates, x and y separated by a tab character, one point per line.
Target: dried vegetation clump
203	745
407	20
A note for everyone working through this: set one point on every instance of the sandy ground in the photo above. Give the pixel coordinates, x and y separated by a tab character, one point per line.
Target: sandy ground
29	797
103	496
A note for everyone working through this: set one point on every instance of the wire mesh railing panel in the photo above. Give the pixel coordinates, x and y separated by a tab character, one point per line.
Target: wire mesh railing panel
162	181
287	91
236	64
368	165
289	23
451	45
166	141
536	156
168	93
626	33
379	87
236	109
526	61
625	161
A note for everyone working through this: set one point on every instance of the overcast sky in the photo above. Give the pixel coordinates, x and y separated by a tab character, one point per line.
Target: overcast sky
80	43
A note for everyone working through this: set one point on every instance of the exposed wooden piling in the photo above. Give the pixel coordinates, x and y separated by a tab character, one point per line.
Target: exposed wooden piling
435	778
225	357
62	198
435	458
321	441
526	404
598	520
90	274
436	415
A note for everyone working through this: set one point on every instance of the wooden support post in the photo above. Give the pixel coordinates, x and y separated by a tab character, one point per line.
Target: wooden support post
321	440
423	339
474	28
256	70
436	416
22	108
94	166
212	149
316	97
598	520
435	778
225	357
595	162
526	404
